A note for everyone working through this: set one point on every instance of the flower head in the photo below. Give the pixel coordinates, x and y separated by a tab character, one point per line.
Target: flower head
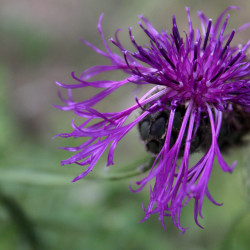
198	80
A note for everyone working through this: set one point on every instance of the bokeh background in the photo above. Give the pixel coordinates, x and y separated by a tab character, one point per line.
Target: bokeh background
39	206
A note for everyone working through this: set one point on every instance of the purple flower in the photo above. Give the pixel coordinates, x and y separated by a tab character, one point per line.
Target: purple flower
198	76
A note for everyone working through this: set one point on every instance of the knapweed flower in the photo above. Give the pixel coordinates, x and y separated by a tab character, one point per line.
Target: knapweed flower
198	81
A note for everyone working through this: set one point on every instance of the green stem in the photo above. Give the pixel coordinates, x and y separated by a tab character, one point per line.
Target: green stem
21	220
27	176
144	167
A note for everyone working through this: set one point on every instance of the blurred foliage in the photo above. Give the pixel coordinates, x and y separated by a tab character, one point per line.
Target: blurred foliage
39	206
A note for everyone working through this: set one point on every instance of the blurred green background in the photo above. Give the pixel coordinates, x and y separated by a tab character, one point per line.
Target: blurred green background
39	206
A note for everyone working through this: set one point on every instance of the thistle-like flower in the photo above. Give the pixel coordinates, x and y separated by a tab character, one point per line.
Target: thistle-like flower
199	80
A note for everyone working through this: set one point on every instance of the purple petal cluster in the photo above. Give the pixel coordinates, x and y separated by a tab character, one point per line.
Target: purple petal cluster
198	69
